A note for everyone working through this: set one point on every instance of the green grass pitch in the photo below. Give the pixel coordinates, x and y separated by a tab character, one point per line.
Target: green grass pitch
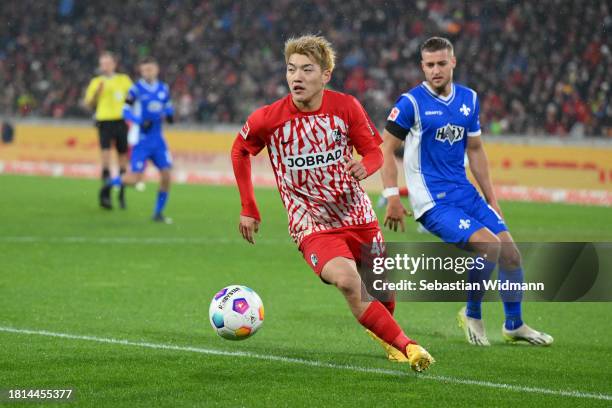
68	267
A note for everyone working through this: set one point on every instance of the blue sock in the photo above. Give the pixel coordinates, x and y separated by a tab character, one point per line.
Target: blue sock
115	181
474	297
162	198
512	298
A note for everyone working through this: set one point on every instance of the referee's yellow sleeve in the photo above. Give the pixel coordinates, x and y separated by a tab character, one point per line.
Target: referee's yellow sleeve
128	83
91	90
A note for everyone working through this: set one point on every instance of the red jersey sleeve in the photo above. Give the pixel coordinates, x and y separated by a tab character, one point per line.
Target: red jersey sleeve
253	132
362	132
364	136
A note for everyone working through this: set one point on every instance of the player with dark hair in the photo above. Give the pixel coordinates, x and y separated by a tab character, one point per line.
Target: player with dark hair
310	135
147	104
439	121
106	93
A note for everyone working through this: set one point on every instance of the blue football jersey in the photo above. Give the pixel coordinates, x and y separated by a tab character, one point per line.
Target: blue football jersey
148	102
435	130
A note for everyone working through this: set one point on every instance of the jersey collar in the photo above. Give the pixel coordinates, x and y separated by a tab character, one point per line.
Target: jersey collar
294	109
442	99
149	87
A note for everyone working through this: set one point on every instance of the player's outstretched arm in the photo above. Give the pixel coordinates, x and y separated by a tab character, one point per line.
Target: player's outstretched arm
249	215
395	213
479	165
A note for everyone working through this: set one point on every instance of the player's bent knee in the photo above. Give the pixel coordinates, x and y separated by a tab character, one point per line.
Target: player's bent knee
342	273
484	242
165	179
510	257
484	235
492	250
348	285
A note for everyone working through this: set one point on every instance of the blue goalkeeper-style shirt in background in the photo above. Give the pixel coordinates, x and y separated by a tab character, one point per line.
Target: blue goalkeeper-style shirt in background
147	105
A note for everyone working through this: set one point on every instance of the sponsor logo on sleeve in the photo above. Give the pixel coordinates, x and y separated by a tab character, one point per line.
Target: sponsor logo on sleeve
394	114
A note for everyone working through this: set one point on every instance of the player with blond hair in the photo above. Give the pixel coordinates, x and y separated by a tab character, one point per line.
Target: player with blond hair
310	135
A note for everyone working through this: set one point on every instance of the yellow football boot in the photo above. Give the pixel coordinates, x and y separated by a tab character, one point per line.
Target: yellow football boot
393	354
418	358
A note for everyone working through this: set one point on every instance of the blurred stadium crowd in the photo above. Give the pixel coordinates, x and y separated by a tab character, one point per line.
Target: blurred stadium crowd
540	67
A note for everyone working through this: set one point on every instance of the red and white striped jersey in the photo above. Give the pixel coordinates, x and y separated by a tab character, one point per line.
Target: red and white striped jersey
307	151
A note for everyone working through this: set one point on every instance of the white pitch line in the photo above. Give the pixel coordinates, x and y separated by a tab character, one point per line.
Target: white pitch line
315	363
136	240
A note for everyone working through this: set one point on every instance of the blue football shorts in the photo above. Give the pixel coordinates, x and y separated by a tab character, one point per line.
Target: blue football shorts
158	153
460	214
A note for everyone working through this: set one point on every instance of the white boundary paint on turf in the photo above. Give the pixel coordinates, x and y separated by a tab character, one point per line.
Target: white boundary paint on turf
315	363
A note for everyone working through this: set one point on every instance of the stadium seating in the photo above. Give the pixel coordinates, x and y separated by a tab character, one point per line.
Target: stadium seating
537	71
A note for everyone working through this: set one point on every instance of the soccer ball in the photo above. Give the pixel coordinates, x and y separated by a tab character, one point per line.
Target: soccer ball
236	312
